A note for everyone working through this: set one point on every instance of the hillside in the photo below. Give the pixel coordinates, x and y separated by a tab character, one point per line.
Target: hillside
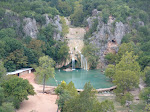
111	35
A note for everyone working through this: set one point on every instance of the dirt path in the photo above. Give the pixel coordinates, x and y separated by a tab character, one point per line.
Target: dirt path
39	102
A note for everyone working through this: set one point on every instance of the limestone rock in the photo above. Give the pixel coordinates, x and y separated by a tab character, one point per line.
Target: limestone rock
95	12
141	23
108	37
57	34
30	28
57	24
48	20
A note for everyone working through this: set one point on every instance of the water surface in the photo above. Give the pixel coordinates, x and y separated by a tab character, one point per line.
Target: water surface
80	77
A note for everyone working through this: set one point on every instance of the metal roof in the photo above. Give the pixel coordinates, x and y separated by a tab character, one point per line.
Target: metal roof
18	71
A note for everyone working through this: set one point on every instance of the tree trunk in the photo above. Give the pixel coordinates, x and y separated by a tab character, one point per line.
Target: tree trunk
44	84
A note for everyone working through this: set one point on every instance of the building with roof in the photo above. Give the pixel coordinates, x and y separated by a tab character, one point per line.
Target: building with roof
20	72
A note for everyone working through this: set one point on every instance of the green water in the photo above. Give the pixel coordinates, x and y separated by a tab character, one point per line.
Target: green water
80	77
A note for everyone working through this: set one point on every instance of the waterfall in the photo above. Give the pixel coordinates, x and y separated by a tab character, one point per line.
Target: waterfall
83	62
73	63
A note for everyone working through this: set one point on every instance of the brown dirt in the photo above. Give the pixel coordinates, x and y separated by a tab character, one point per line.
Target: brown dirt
39	102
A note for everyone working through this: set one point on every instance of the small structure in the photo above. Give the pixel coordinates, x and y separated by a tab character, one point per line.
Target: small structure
101	90
20	72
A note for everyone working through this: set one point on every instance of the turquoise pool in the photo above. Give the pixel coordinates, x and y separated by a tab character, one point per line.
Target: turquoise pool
79	77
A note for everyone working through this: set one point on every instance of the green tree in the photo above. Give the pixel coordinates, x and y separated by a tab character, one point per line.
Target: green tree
37	46
65	28
2	49
45	70
17	88
77	16
7	107
2	69
147	108
18	59
126	77
86	101
110	58
110	71
128	62
123	49
64	8
89	51
147	76
2	97
8	32
65	92
145	95
62	52
125	80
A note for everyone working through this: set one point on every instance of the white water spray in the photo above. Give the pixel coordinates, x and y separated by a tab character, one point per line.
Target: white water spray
83	62
73	63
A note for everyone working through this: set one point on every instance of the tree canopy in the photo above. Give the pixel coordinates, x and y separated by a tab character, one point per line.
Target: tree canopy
18	89
45	70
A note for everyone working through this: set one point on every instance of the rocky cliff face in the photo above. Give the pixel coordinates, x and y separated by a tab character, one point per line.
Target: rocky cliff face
30	27
108	36
57	24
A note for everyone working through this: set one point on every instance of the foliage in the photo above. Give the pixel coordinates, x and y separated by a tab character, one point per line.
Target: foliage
110	71
86	101
147	108
77	16
91	30
147	76
17	88
64	8
110	58
17	58
8	32
128	62
55	49
2	69
65	92
60	88
7	107
45	69
123	49
125	75
125	80
89	52
65	28
145	94
37	46
124	98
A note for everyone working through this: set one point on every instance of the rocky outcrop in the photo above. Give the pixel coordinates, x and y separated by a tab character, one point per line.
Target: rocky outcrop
47	19
107	37
30	27
57	24
57	34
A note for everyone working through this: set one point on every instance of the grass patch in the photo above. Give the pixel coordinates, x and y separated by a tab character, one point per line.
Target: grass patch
138	107
135	107
117	105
